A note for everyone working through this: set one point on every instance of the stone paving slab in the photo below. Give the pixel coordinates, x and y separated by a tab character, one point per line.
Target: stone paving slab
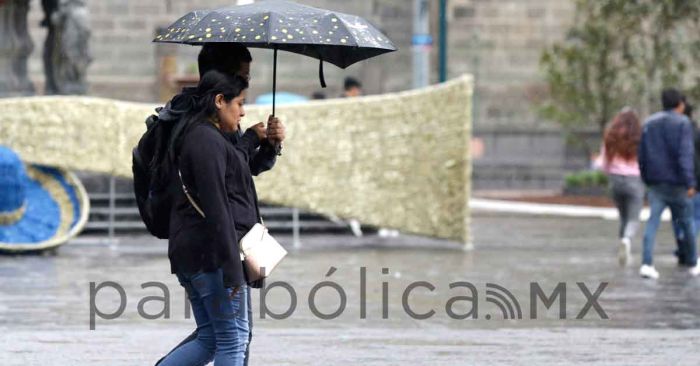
45	302
124	346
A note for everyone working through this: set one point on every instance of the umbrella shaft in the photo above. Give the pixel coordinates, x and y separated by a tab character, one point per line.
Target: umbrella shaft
274	81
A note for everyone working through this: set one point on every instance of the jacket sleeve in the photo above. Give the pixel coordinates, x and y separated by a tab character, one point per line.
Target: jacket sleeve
642	157
696	134
263	159
260	156
206	160
247	142
687	154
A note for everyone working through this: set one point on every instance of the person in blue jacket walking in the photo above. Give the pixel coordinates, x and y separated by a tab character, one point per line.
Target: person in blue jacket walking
666	164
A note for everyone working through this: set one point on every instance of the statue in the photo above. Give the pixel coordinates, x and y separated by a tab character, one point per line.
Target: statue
66	55
15	48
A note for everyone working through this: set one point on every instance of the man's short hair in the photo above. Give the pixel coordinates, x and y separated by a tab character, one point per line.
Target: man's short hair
222	57
671	98
351	82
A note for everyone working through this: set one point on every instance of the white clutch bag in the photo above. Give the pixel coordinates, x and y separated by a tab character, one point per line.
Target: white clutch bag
261	252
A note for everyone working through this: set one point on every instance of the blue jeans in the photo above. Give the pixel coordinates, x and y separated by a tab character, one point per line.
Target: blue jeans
222	323
696	226
193	336
675	198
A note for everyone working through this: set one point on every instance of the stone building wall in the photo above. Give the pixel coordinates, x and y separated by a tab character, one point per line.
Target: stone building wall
498	41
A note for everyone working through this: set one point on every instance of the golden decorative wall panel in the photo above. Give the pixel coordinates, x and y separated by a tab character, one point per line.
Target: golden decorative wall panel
396	160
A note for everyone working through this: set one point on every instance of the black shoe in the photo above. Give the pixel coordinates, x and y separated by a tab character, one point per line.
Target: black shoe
682	262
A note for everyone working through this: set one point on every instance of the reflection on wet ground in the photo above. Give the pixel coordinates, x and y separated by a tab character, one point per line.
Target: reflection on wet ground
45	301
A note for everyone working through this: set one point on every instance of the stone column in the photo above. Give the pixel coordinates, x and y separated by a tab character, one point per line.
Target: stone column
15	48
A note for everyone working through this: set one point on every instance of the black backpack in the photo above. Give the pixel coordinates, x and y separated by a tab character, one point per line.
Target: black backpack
152	168
154	165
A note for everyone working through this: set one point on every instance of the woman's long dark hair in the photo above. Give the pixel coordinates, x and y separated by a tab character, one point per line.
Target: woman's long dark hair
622	136
203	102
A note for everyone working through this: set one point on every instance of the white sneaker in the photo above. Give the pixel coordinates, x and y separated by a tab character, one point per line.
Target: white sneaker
695	271
624	251
649	272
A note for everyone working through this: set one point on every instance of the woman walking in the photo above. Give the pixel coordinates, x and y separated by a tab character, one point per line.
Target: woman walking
216	206
618	158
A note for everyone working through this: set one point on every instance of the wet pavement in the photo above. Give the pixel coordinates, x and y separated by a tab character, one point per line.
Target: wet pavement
45	301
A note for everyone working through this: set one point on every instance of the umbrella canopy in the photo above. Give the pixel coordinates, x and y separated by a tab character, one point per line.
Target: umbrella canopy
337	38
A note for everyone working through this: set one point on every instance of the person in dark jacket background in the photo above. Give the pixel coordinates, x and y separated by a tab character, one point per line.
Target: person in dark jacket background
666	165
696	198
216	207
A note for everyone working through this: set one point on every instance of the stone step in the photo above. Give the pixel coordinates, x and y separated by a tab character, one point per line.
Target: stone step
133	223
127	219
133	210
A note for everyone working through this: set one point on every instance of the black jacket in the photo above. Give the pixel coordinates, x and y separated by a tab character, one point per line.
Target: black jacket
217	174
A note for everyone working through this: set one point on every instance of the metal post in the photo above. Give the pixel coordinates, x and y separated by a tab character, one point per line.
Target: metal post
443	41
112	207
422	43
296	228
475	61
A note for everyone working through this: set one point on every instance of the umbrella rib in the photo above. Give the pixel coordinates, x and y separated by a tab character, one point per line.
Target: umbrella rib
268	31
201	33
312	41
342	22
230	33
272	22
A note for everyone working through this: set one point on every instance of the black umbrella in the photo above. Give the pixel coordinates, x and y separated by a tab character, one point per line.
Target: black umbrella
337	38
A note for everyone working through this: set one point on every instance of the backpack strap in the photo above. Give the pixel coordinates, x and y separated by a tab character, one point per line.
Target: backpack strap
189	197
257	209
199	210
